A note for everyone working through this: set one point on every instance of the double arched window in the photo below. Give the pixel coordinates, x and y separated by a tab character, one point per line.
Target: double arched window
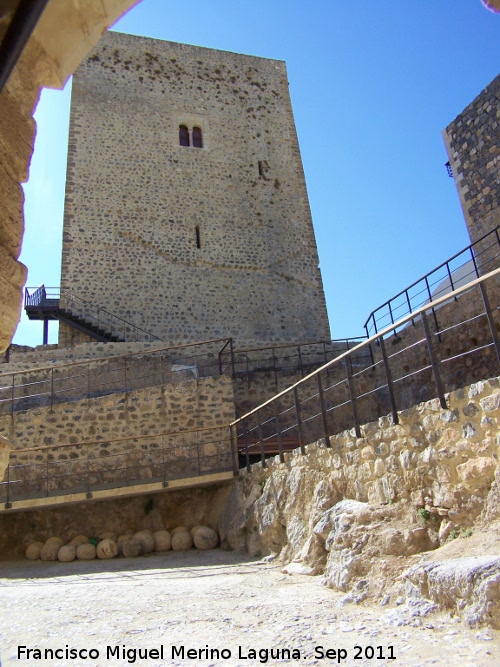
193	138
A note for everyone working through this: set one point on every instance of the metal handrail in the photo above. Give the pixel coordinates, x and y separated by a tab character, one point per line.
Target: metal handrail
98	315
47	378
472	252
44	478
290	356
287	414
375	338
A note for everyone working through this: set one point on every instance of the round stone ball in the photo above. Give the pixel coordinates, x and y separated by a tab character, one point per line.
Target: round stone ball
131	548
193	530
145	537
205	538
85	552
33	550
79	539
51	548
163	540
182	541
67	553
179	529
106	549
108	535
55	540
121	541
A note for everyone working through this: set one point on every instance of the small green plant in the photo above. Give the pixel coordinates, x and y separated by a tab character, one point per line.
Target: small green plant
423	513
460	532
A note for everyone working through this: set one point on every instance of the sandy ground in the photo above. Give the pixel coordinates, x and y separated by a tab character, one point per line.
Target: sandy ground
217	600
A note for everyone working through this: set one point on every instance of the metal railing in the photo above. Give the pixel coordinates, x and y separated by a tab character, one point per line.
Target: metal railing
86	467
419	364
96	316
99	376
477	259
282	360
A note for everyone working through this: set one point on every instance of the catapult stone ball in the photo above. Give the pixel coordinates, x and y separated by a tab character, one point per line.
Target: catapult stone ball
131	548
182	540
145	537
205	538
85	552
106	549
66	553
33	550
163	540
51	548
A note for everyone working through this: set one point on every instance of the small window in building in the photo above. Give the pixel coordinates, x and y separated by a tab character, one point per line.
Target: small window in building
197	140
198	241
183	135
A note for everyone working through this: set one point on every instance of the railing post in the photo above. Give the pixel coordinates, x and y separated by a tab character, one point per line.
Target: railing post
278	432
164	470
434	361
450	278
231	349
409	305
233	451
47	474
352	397
198	452
52	389
473	257
323	411
261	446
491	322
390	386
245	443
8	504
430	301
299	420
301	366
89	492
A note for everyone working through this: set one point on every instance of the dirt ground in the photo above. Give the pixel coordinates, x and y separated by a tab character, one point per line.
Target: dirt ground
212	600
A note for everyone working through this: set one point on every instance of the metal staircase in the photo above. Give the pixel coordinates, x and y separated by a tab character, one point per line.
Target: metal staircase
52	303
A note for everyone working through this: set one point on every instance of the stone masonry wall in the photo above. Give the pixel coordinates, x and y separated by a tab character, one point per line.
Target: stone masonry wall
473	144
190	243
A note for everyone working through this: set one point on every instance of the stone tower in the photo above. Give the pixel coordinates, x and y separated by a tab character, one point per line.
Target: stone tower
473	145
186	208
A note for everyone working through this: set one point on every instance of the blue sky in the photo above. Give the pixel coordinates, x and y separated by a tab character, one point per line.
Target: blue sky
372	85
